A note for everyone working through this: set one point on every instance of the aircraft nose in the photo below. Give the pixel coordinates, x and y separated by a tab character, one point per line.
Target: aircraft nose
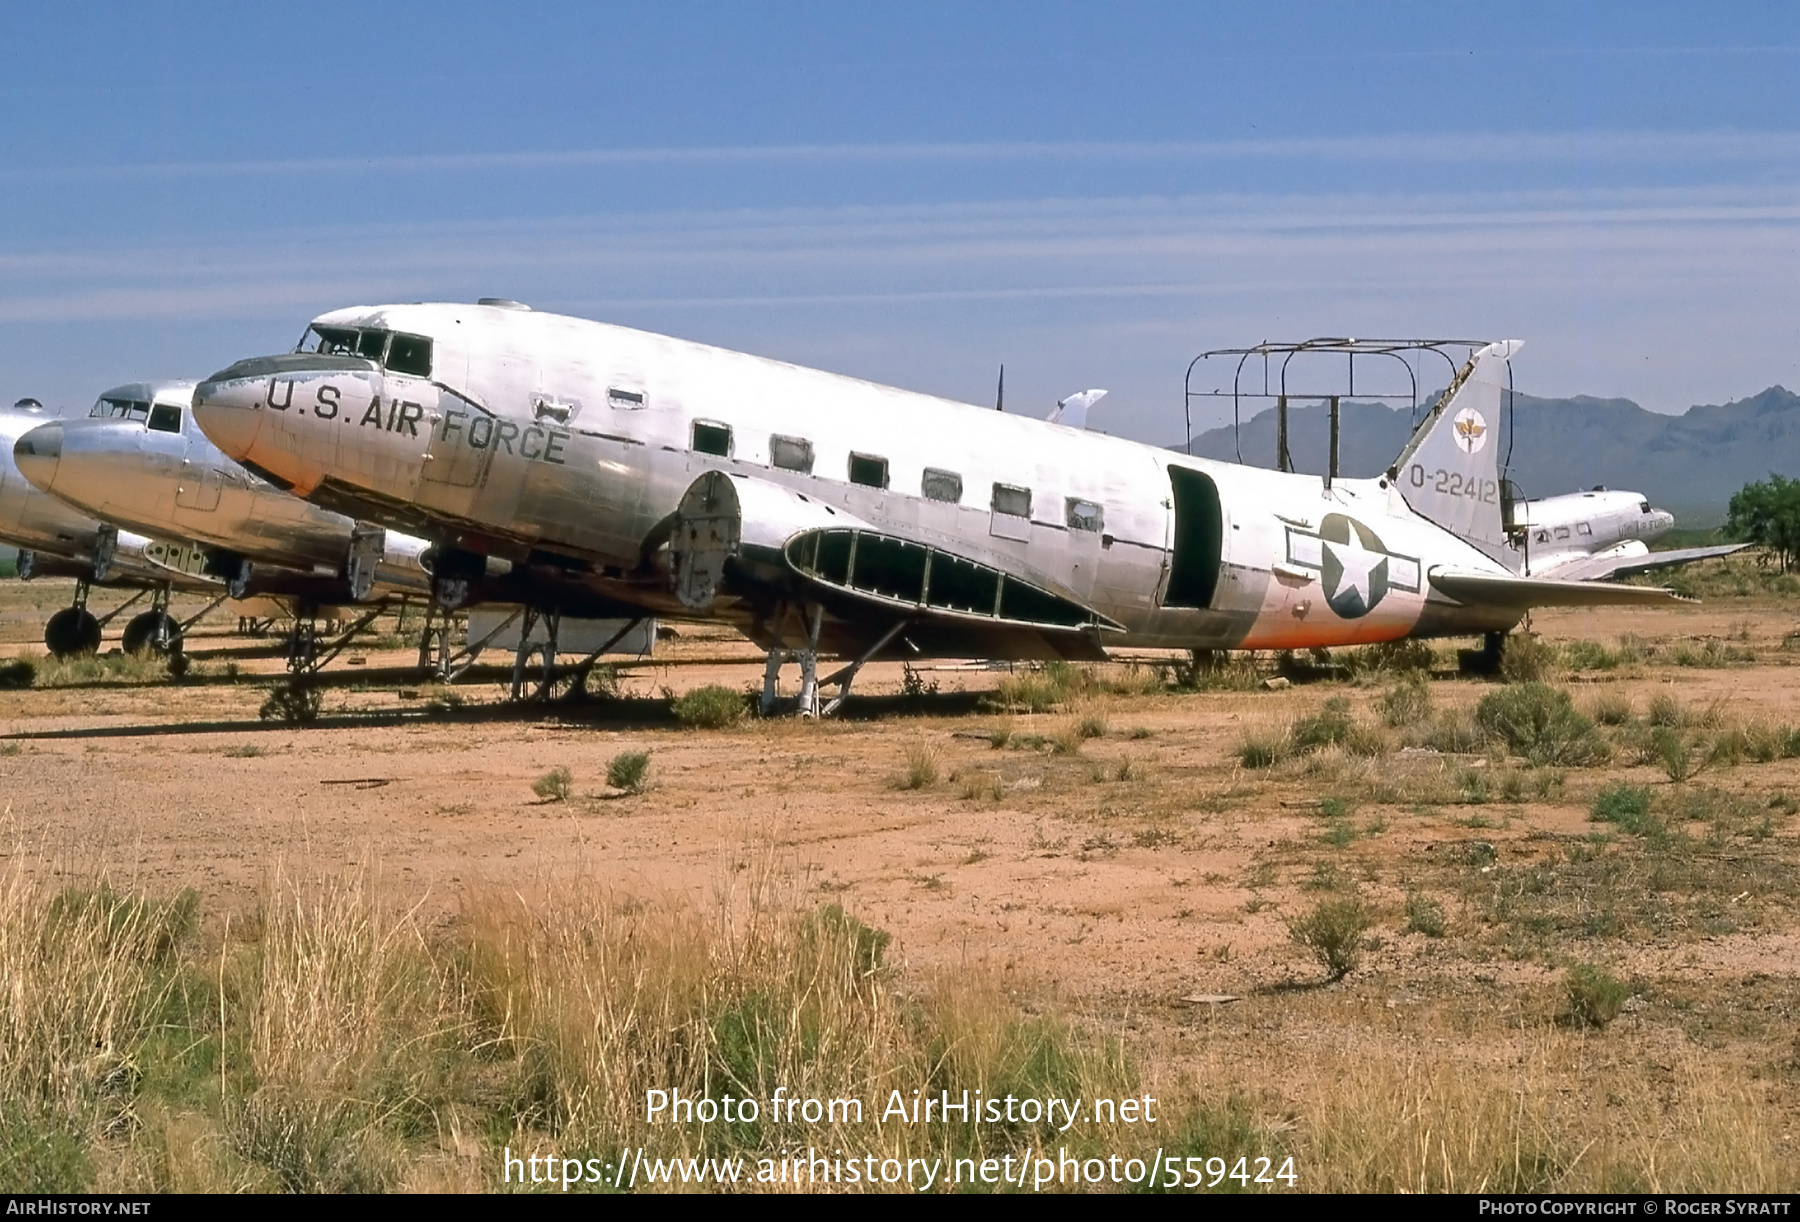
228	410
38	453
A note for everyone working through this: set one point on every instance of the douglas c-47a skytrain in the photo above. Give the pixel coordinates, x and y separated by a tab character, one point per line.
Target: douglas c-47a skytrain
624	473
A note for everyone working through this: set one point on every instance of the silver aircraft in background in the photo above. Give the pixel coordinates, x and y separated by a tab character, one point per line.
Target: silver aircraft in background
138	461
1598	534
819	513
56	540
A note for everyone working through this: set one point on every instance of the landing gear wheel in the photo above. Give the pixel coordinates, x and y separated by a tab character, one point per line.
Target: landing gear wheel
152	632
72	633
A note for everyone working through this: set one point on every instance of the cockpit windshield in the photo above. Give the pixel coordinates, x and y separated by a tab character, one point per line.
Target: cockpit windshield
396	350
119	409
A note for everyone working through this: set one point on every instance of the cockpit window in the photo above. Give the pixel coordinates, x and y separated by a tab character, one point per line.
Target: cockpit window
372	344
120	409
400	352
410	354
330	341
165	418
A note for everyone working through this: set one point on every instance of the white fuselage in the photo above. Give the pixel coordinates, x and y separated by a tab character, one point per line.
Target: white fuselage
554	441
1558	531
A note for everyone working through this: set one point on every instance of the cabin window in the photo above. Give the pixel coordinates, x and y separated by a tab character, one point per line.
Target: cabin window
1562	532
791	453
410	354
628	400
868	470
1582	528
1012	501
165	418
712	438
942	486
1084	515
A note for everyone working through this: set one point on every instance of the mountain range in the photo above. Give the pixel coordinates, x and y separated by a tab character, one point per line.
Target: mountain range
1688	464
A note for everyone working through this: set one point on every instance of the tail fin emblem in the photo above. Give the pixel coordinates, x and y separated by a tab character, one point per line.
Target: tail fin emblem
1471	430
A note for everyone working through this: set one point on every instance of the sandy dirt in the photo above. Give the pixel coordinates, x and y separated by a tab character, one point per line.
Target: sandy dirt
1143	869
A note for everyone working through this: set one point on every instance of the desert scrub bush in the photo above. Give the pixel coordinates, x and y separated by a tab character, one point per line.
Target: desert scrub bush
1595	996
1262	747
17	674
1424	915
1540	723
921	766
629	770
1335	932
1451	731
1527	659
1407	702
1215	670
295	703
555	785
1591	655
1408	656
1627	806
1682	757
712	707
1333	725
1666	710
1042	690
1711	654
979	786
1612	709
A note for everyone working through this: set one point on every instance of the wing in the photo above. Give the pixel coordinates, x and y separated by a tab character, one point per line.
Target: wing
1597	567
1523	593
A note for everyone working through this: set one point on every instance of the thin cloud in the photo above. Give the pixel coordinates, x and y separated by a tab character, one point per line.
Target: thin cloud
1648	147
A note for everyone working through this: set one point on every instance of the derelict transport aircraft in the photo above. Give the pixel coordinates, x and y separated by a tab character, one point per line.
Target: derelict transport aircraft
57	541
139	462
819	513
1587	536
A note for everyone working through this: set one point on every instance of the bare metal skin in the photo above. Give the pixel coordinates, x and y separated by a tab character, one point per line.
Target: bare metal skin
140	462
680	479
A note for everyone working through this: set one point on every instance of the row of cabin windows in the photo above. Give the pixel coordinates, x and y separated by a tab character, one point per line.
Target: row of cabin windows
871	471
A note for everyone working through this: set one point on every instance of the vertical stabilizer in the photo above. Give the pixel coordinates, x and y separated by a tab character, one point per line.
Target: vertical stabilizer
1449	471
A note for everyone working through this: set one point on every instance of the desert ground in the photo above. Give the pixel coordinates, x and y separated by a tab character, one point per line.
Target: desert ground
1569	966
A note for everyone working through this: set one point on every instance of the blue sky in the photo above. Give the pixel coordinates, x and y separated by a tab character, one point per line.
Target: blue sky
916	193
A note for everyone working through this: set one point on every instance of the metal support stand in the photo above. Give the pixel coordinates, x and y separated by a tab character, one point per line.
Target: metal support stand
452	667
845	677
809	665
583	668
521	652
1331	461
1283	460
810	703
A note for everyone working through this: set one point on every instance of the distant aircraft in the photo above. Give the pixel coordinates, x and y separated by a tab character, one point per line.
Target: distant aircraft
819	513
1587	536
138	461
57	541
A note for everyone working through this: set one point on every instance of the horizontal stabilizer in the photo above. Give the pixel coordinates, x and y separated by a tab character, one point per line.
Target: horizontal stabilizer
1595	568
1522	593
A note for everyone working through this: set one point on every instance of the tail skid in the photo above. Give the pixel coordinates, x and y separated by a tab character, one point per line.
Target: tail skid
1449	471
